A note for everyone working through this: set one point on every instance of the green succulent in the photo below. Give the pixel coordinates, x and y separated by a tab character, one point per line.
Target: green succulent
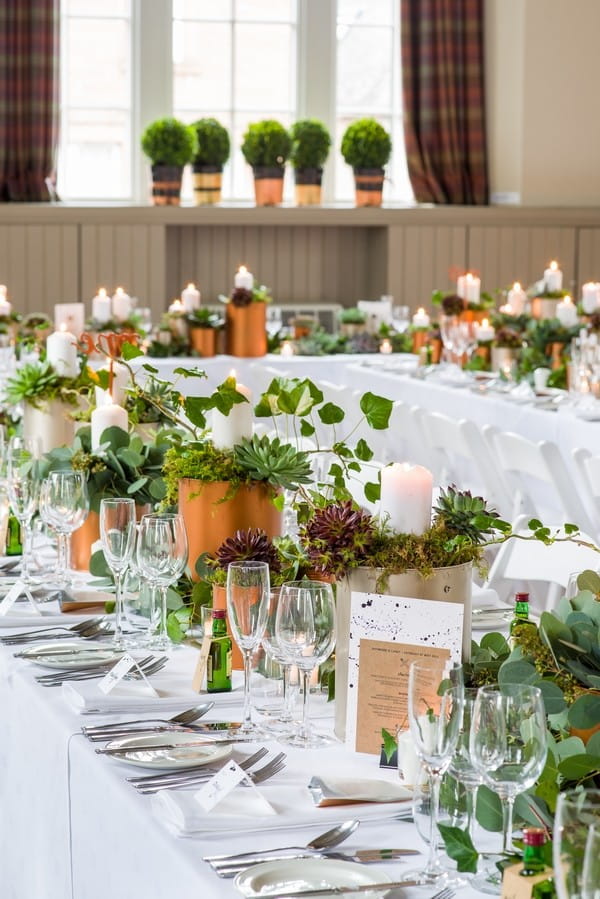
268	459
465	515
37	382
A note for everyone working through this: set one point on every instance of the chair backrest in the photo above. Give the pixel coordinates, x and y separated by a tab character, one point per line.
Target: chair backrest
588	468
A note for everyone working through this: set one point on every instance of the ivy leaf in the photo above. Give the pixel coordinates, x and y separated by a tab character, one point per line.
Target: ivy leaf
460	848
330	414
306	429
130	351
363	451
195	407
150	368
372	491
589	580
377	410
194	372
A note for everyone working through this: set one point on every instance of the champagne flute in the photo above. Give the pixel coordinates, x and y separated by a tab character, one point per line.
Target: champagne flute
576	845
248	590
23	489
435	711
508	746
117	533
64	504
162	553
305	630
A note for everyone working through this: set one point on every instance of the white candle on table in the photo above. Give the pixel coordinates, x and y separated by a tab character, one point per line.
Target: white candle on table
287	349
406	496
177	322
244	278
61	353
5	306
117	393
108	416
566	313
420	319
121	305
102	307
385	346
229	430
590	297
190	297
507	309
468	287
517	298
553	277
484	332
70	317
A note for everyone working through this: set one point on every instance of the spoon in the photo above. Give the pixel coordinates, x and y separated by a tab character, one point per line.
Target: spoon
326	840
183	718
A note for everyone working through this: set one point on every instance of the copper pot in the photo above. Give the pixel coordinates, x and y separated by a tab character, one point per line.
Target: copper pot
268	185
204	341
210	518
246	330
474	315
419	339
166	184
436	347
368	184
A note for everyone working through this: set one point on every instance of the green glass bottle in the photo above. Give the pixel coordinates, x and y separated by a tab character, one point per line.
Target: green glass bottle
218	675
521	616
14	546
534	839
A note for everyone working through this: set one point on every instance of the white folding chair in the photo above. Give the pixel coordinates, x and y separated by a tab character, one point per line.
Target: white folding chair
532	562
588	468
538	479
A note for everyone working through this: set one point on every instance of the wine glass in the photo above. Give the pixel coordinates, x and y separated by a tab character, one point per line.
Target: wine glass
400	318
64	504
508	746
272	647
575	839
248	590
305	631
162	553
274	320
435	712
447	332
117	533
23	485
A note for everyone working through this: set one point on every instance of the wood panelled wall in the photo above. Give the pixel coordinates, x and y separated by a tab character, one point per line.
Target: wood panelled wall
50	254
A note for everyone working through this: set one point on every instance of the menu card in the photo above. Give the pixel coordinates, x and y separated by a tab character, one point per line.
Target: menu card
387	633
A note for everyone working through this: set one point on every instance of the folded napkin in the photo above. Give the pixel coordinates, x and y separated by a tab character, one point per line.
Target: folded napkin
348	790
484	598
524	391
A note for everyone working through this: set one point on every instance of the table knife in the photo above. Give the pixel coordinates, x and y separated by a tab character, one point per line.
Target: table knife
163	746
362	856
340	891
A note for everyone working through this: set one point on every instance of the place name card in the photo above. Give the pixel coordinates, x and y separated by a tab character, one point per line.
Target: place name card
17	589
387	634
116	674
199	679
221	785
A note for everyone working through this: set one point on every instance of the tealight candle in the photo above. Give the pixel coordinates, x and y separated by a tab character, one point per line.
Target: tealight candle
406	495
61	353
507	309
286	349
385	346
102	307
5	306
190	297
420	319
566	313
484	332
229	430
244	278
121	305
590	297
468	287
553	277
108	416
517	298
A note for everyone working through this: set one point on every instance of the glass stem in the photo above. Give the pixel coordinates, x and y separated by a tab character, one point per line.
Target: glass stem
27	550
287	693
118	638
62	560
162	619
304	731
435	781
247	716
470	795
507	824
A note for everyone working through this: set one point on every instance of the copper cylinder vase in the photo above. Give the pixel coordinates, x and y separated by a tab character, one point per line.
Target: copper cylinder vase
246	330
204	341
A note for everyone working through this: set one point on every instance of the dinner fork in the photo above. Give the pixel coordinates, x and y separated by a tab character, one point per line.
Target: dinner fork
167	776
148	665
271	768
446	893
42	633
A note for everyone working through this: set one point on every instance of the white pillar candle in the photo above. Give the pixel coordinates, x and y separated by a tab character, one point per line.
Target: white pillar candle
468	287
70	317
5	306
244	278
566	313
102	307
117	393
61	353
121	305
553	277
190	297
177	323
484	332
406	496
590	297
420	319
385	347
108	416
517	298
507	309
229	430
286	349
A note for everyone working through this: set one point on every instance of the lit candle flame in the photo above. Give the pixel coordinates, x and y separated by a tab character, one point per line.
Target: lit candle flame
469	276
485	323
420	311
63	326
3	290
242	270
567	300
233	373
191	286
120	291
517	285
554	266
102	291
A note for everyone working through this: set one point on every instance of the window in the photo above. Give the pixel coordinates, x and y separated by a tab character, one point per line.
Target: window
236	60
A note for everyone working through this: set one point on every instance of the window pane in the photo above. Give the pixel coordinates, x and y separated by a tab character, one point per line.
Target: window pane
202	9
266	10
364	70
202	65
98	71
264	61
96	159
366	12
106	8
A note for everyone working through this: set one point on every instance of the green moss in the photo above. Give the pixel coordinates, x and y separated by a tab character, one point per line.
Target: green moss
203	462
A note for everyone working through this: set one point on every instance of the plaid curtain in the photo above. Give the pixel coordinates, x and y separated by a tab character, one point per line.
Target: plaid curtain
29	47
444	115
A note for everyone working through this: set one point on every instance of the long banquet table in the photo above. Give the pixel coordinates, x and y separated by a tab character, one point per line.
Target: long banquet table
72	828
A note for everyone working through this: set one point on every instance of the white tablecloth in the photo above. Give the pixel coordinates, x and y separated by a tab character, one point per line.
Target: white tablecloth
72	828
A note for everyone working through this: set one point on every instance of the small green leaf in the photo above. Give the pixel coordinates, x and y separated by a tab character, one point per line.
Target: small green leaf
589	580
496	643
459	847
151	369
520	672
390	744
129	351
534	524
363	451
131	458
137	485
571	529
193	372
330	414
99	566
489	809
372	491
579	767
554	700
306	429
116	437
585	711
377	410
195	407
279	501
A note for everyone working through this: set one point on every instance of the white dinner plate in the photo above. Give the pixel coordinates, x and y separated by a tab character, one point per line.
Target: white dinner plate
184	757
71	654
487	620
297	875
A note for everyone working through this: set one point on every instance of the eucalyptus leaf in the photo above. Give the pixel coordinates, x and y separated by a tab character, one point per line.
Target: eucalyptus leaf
521	672
585	711
579	767
554	699
115	437
488	809
137	485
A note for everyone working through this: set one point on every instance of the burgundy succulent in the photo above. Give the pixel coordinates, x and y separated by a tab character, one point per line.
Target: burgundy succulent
452	304
337	538
248	545
241	297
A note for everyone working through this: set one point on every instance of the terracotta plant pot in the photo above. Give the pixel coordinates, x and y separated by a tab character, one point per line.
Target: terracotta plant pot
204	341
446	584
207	181
246	329
419	339
210	518
84	537
268	185
544	307
436	347
556	351
308	186
368	185
220	602
166	185
474	315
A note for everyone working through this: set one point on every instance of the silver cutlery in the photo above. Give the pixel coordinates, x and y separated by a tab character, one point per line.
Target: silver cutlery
32	653
327	840
272	767
201	729
361	856
45	631
115	750
149	665
340	891
198	770
89	633
446	893
97	732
